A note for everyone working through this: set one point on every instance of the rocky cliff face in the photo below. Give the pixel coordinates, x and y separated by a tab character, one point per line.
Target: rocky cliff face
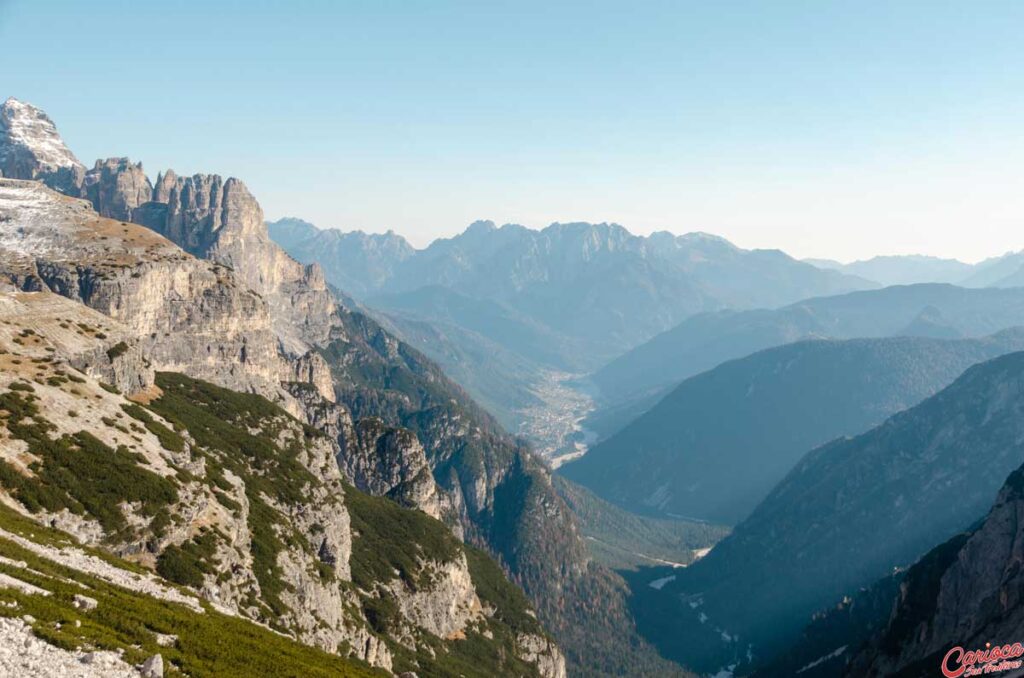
228	495
382	460
220	220
117	188
189	315
390	462
965	593
31	148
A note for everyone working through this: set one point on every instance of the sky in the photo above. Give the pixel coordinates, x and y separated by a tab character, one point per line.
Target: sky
827	129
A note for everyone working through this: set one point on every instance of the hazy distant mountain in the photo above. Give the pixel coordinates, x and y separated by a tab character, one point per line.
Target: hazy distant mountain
501	356
356	262
903	270
593	282
500	323
1015	279
991	272
830	264
481	366
564	299
707	339
750	420
850	512
1002	271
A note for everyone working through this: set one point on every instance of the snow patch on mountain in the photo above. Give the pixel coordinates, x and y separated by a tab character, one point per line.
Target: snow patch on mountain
24	127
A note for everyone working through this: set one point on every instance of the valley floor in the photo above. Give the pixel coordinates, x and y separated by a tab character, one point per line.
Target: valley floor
555	426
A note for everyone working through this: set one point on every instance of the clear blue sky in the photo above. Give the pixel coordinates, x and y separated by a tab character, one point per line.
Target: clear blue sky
835	129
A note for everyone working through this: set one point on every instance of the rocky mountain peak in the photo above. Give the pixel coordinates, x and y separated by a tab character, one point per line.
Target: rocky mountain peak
165	183
117	187
481	226
31	147
205	210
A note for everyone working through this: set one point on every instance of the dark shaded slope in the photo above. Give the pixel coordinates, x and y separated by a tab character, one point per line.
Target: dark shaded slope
854	509
716	445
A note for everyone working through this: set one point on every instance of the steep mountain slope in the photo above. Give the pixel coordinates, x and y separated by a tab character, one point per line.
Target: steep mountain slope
751	419
964	593
509	363
49	241
228	495
497	494
31	148
836	633
402	429
706	340
70	610
850	512
490	373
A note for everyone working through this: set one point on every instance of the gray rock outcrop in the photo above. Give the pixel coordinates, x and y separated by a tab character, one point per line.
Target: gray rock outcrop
116	188
966	592
220	220
31	148
220	329
389	462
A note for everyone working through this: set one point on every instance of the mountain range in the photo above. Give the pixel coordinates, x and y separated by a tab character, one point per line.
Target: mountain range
1001	271
635	381
849	513
536	308
751	419
216	459
189	286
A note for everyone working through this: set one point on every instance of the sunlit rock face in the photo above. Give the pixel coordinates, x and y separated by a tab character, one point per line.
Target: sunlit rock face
31	148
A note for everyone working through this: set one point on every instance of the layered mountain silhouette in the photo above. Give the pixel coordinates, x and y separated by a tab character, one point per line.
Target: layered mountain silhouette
646	373
561	300
916	268
847	514
715	446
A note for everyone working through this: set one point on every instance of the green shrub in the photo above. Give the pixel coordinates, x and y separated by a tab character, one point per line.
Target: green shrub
168	439
187	563
389	538
210	644
79	472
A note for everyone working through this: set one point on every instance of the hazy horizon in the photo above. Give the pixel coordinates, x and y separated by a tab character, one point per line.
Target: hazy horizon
541	227
841	132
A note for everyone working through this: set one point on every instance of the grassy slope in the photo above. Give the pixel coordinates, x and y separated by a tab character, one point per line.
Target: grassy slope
209	643
236	432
